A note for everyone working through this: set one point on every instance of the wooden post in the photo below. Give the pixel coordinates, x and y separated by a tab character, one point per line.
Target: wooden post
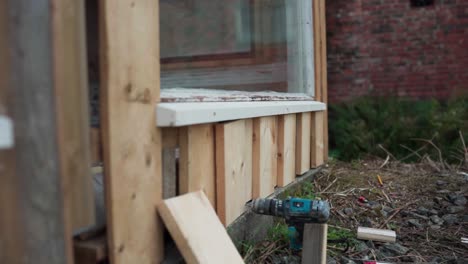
129	49
320	50
314	245
45	184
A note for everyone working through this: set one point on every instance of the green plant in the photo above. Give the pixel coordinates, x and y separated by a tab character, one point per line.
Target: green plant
398	127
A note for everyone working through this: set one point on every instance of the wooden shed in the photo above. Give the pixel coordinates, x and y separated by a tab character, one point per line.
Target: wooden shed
228	97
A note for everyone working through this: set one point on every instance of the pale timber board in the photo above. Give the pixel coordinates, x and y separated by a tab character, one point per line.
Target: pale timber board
317	139
286	149
324	75
303	142
71	88
197	160
132	143
264	160
314	246
233	168
381	235
197	231
183	114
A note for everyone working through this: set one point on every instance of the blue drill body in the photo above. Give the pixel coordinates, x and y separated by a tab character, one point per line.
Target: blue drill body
297	212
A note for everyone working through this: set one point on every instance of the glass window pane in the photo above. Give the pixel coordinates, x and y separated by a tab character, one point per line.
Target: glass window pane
247	45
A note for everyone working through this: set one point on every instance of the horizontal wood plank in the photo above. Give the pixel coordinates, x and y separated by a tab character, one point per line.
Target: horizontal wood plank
177	114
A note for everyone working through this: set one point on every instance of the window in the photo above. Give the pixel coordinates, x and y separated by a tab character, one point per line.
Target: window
244	45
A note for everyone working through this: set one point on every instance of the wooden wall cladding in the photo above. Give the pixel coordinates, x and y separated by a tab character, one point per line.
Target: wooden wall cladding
197	160
264	159
317	139
303	143
233	168
286	149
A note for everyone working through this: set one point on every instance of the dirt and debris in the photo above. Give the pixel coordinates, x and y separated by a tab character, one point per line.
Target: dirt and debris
425	203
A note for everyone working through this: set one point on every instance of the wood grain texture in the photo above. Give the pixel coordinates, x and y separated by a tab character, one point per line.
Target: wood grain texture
45	175
132	144
71	88
197	160
303	142
314	246
233	168
320	47
169	166
381	235
324	72
201	238
91	251
264	157
286	149
317	139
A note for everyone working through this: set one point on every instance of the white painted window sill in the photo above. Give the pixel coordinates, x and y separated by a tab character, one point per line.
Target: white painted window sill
184	114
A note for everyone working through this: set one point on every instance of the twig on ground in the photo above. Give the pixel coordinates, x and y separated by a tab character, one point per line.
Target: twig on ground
441	160
385	162
413	152
396	212
328	187
386	151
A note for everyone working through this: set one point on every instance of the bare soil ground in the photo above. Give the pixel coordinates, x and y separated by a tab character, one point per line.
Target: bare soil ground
425	203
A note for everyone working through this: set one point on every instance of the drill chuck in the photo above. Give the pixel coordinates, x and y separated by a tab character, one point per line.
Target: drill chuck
294	209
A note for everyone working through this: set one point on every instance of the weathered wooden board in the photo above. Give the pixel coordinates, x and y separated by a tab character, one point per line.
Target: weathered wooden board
132	144
233	168
317	139
314	246
323	31
45	184
71	87
303	142
197	231
197	160
95	145
264	158
170	137
169	167
286	149
320	48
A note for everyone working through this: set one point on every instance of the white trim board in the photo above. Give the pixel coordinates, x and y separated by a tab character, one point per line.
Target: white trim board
184	114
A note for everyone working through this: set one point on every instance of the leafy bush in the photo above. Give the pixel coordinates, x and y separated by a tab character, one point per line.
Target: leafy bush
379	126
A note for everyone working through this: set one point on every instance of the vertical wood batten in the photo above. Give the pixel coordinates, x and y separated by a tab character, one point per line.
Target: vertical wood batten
317	139
286	149
71	88
303	142
320	47
197	160
264	157
233	168
130	77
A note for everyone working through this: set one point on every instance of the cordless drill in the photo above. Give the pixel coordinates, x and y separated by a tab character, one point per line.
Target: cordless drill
297	212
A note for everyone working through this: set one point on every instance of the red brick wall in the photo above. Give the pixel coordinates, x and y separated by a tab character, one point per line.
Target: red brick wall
383	47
